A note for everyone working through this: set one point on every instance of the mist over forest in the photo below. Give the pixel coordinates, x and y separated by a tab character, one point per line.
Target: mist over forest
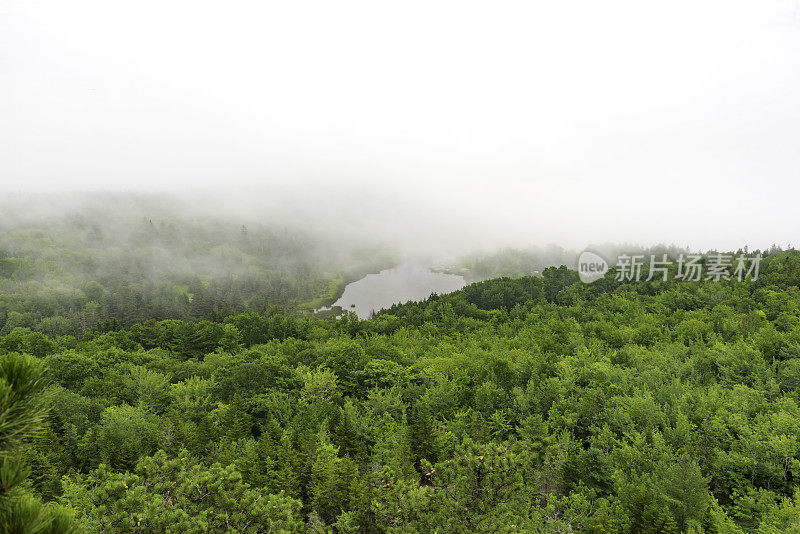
75	262
171	362
432	266
199	362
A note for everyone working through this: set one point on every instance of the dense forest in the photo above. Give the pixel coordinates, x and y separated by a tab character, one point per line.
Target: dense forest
108	263
399	268
531	404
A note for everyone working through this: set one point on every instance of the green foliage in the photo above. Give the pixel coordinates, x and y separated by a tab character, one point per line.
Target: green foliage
124	434
118	263
176	495
23	407
537	404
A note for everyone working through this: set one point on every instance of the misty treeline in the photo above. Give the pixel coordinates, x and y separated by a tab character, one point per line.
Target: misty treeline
535	404
516	262
108	262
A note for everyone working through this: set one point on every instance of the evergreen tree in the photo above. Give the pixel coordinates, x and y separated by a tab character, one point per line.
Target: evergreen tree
23	408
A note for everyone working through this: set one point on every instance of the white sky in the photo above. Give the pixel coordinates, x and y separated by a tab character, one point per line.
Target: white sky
509	122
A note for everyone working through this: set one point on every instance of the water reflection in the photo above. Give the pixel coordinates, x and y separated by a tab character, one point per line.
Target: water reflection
407	281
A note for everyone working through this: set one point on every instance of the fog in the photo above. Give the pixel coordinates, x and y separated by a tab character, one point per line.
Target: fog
436	127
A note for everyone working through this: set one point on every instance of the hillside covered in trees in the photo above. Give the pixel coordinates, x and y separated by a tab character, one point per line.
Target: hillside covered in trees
110	261
536	404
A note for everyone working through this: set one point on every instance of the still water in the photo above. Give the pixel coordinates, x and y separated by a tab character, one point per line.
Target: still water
403	283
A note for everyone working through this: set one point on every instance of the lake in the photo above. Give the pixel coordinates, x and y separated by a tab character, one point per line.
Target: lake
406	282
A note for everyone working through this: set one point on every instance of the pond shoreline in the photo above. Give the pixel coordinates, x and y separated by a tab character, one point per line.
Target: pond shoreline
407	281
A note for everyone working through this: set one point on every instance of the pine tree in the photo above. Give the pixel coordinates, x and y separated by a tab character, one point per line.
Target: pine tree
422	435
235	419
23	408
